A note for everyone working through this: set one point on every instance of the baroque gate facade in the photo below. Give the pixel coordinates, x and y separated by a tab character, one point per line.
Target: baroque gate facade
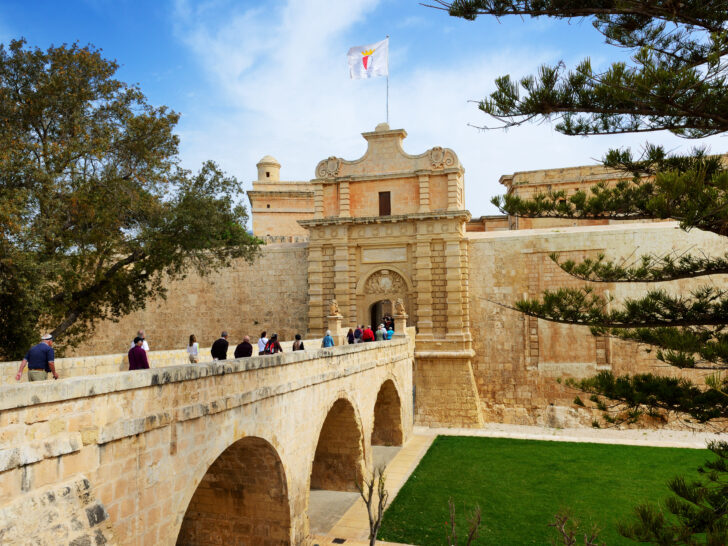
392	225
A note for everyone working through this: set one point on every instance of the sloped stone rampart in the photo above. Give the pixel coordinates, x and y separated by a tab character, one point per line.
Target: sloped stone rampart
518	359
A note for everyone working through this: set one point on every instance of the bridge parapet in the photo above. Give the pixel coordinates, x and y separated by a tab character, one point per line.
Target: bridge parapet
77	366
144	439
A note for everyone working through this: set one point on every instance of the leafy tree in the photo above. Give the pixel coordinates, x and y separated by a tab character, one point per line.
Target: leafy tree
674	80
96	214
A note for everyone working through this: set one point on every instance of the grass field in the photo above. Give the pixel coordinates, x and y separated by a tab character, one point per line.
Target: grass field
521	484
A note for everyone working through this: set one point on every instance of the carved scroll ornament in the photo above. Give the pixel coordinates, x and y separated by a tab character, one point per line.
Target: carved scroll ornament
328	168
385	283
441	157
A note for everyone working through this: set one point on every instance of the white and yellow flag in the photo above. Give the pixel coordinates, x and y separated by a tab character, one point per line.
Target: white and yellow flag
369	61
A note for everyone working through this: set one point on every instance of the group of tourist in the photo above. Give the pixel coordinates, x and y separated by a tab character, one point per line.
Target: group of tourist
40	359
364	334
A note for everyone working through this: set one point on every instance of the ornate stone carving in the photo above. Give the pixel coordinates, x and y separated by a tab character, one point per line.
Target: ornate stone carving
399	307
385	282
441	157
328	168
333	308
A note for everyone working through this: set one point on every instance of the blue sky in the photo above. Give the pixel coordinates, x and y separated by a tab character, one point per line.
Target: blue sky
256	78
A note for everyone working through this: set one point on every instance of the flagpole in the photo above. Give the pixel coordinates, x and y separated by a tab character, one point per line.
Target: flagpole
387	99
387	79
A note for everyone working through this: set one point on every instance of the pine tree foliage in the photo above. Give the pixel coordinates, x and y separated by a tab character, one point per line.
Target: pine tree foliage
96	214
674	80
699	507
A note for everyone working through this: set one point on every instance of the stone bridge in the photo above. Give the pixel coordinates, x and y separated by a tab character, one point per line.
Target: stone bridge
211	453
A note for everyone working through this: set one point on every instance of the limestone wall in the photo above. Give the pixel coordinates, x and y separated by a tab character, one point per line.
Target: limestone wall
271	294
518	358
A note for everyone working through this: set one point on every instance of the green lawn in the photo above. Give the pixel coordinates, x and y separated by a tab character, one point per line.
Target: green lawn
521	484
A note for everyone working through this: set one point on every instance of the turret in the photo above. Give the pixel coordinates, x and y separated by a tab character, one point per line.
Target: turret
269	170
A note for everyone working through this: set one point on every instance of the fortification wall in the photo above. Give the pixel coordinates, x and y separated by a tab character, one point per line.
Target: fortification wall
270	294
519	359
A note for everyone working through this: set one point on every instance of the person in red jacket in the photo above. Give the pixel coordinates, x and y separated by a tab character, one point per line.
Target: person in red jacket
367	334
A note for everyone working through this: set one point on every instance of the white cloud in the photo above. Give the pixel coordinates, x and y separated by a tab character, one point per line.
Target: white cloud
282	89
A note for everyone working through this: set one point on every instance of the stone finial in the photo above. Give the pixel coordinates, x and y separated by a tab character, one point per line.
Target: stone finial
382	127
334	308
399	307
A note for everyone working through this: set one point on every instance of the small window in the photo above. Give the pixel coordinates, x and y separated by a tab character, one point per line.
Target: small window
385	203
267	174
267	206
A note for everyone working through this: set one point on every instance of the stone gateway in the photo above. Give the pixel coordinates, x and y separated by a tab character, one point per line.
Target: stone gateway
392	226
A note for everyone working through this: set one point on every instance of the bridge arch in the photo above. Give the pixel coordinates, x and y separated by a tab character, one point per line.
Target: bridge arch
241	499
339	456
387	429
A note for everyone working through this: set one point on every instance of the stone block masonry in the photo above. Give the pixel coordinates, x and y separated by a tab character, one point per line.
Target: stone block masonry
270	294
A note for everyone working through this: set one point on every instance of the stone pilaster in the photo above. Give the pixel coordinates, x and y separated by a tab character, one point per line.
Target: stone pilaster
342	285
315	288
344	200
456	292
424	181
453	191
318	201
423	278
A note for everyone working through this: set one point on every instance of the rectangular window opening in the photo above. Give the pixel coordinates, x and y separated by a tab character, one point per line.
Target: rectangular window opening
385	203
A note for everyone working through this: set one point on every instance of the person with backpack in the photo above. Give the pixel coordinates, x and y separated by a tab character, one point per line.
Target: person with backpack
262	342
273	346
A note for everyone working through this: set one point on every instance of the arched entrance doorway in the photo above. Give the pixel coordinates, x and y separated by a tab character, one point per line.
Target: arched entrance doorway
242	499
378	310
337	463
377	292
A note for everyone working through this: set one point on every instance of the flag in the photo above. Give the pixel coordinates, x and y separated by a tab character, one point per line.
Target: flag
369	61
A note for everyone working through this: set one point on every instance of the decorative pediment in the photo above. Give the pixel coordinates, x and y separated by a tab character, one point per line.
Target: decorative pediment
385	155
